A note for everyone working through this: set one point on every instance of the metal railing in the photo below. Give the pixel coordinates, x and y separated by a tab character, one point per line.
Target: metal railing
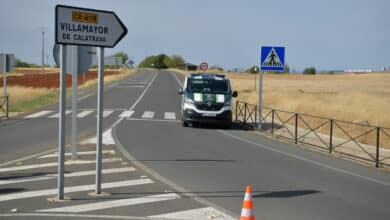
4	106
359	141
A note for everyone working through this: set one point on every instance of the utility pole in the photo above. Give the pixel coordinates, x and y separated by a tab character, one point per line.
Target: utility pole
43	52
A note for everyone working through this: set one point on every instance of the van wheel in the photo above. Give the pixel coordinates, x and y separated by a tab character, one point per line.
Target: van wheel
185	124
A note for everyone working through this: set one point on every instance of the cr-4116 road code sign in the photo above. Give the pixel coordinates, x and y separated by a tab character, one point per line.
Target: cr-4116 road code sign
89	27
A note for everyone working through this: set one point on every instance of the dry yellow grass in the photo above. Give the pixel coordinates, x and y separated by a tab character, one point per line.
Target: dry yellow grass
20	94
350	97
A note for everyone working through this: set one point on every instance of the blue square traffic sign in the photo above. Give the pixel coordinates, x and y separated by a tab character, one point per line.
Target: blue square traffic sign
272	59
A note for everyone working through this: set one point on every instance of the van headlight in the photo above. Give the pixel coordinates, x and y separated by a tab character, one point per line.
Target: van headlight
189	101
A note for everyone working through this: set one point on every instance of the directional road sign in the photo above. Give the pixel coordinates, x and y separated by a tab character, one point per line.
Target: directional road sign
79	58
272	59
89	27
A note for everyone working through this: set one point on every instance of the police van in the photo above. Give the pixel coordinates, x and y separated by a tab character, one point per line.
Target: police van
207	98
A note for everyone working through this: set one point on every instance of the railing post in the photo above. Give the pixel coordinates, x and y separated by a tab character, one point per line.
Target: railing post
245	106
296	128
378	130
237	110
7	98
331	136
256	109
272	123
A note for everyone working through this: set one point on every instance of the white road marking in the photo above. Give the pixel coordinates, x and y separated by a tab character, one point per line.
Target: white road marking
84	113
305	159
107	113
53	155
130	86
68	215
126	114
47	192
74	174
54	164
148	114
170	115
201	214
153	120
114	203
56	115
107	139
39	114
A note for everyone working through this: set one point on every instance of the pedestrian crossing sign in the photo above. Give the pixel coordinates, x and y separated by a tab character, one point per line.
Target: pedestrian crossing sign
272	59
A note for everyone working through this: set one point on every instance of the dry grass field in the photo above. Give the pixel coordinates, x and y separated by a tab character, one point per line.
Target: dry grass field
349	97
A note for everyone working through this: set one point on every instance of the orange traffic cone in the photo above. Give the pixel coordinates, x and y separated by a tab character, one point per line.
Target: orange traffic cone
247	205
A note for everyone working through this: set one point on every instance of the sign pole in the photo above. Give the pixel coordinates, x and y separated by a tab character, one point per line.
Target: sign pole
260	98
61	139
99	120
74	116
5	76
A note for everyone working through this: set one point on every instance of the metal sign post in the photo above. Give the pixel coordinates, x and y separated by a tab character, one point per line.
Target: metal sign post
260	98
271	59
99	127
74	116
61	136
5	76
96	28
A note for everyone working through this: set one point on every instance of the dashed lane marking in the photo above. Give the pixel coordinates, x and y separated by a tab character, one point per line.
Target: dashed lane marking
47	192
74	174
114	203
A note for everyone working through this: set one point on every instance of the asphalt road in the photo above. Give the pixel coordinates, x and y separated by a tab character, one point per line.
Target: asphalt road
211	165
288	182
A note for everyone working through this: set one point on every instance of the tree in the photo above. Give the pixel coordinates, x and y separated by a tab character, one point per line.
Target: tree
163	61
310	70
175	61
123	55
253	69
286	68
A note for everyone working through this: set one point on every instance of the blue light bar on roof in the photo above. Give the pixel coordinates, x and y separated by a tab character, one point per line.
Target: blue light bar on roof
195	74
207	75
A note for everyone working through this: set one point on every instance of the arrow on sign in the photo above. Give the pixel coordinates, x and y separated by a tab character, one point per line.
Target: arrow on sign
88	27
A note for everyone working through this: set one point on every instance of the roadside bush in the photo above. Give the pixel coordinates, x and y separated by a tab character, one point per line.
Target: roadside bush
310	70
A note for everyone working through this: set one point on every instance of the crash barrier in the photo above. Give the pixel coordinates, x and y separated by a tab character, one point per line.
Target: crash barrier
4	106
358	141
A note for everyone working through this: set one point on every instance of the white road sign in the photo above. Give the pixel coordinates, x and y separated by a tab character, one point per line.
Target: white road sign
89	27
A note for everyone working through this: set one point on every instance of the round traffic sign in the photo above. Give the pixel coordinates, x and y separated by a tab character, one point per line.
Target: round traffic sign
203	66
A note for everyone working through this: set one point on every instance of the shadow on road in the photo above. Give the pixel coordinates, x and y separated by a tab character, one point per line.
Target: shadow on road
11	190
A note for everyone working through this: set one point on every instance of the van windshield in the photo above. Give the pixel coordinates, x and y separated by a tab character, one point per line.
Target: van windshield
207	86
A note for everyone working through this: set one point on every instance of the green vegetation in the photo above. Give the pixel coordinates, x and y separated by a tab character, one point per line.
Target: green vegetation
123	55
20	63
253	69
35	103
162	61
310	70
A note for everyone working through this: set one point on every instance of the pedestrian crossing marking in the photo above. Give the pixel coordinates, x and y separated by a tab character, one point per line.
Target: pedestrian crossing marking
107	113
74	174
148	114
47	192
114	203
200	213
126	114
39	114
84	113
54	155
170	115
56	115
54	164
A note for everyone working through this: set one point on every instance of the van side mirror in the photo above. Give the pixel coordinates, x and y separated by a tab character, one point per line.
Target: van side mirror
235	94
180	91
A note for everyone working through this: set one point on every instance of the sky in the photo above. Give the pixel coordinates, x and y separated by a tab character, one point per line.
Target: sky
326	34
